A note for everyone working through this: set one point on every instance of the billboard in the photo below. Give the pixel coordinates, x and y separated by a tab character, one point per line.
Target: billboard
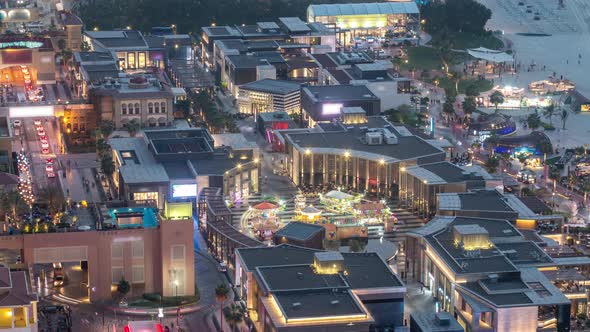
331	109
184	190
30	111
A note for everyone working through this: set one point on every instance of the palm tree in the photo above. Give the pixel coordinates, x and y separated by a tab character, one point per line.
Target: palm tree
107	165
221	294
564	115
549	112
534	121
123	287
106	128
449	110
491	142
492	164
234	316
496	98
469	105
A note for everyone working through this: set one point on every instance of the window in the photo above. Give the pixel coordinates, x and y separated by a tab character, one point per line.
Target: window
131	60
157	108
137	249
117	250
150	108
117	273
137	274
136	108
163	106
141	59
130	108
149	196
177	252
124	109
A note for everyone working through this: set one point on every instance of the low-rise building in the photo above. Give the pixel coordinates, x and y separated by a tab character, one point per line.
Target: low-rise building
246	68
486	273
92	67
18	303
172	163
268	95
363	153
289	288
324	103
301	234
146	99
420	185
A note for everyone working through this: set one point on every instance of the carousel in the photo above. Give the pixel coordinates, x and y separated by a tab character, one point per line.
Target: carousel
310	214
339	202
264	220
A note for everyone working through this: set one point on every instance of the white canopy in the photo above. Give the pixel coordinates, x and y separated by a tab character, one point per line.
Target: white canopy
335	194
490	55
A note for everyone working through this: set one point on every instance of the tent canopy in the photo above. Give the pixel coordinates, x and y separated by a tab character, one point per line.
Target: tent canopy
265	206
490	55
335	194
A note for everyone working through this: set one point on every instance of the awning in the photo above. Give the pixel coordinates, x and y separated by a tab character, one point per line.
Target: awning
335	194
265	206
490	55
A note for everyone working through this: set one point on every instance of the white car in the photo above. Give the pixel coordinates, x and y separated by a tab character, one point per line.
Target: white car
37	123
41	132
17	123
49	168
45	144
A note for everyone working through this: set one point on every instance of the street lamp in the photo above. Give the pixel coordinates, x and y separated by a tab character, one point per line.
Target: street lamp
176	286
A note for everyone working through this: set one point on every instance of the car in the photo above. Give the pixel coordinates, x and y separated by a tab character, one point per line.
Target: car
529	11
43	139
45	150
50	175
58	274
17	123
49	161
537	18
49	167
222	267
37	122
44	144
41	132
521	3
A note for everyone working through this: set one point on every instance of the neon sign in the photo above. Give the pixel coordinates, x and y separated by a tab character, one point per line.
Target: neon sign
21	44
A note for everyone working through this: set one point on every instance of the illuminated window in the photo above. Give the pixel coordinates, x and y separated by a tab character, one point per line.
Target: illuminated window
141	59
163	106
126	154
150	196
131	60
136	108
150	108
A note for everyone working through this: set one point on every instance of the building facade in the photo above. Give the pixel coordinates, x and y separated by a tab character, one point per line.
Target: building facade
269	95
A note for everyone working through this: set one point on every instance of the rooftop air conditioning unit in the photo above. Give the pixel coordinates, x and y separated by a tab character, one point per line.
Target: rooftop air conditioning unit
374	138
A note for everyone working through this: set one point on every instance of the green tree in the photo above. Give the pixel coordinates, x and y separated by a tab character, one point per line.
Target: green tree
221	294
564	115
12	203
497	98
549	112
106	128
123	287
469	105
472	91
492	142
107	165
534	121
132	127
234	315
54	199
492	164
448	110
184	106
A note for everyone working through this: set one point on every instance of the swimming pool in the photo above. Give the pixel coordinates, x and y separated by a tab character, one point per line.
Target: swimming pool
149	219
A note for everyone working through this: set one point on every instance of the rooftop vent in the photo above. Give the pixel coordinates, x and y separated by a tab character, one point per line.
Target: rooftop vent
299	275
442	318
296	305
334	302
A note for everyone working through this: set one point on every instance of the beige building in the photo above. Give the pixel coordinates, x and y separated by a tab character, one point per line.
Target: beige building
143	98
35	52
18	304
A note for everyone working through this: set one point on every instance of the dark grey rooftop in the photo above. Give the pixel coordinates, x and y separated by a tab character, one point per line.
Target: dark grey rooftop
178	170
319	303
273	256
272	86
408	147
524	253
255	59
484	200
155	41
368	270
217	165
244	46
427	321
94	57
500	299
450	172
118	38
299	230
221	31
336	93
297	277
535	204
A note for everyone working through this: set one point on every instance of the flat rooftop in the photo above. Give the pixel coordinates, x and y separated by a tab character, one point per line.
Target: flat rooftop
351	138
255	59
138	165
118	38
272	86
221	31
298	277
337	93
318	303
442	173
299	230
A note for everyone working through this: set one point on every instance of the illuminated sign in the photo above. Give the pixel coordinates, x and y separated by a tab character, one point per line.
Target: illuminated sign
184	190
585	107
21	44
331	109
30	111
